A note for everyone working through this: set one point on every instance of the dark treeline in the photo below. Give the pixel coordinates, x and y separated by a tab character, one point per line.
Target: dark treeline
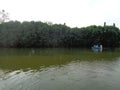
39	34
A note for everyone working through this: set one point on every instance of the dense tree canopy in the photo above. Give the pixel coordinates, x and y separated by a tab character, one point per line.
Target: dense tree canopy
39	34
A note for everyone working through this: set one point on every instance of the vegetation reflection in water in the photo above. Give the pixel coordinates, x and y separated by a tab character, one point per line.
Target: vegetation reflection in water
59	69
14	59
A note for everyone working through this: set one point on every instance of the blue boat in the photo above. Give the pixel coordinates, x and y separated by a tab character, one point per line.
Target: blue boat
97	47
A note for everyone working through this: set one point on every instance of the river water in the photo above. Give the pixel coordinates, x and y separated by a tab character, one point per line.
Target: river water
59	69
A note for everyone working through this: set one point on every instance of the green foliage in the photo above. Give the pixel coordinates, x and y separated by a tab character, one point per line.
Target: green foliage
39	34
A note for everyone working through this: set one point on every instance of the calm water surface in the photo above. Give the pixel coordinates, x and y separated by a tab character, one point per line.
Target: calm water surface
59	69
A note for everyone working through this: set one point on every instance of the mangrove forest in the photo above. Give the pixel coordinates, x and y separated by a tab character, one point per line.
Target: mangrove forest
37	34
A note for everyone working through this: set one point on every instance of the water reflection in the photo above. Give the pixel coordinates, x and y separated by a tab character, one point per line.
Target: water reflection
57	69
74	75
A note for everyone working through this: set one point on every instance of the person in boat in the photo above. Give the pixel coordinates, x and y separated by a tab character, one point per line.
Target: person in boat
97	46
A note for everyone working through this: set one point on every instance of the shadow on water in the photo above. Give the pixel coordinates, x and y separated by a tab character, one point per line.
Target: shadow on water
15	59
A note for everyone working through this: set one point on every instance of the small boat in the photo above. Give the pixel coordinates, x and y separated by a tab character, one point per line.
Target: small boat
97	47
